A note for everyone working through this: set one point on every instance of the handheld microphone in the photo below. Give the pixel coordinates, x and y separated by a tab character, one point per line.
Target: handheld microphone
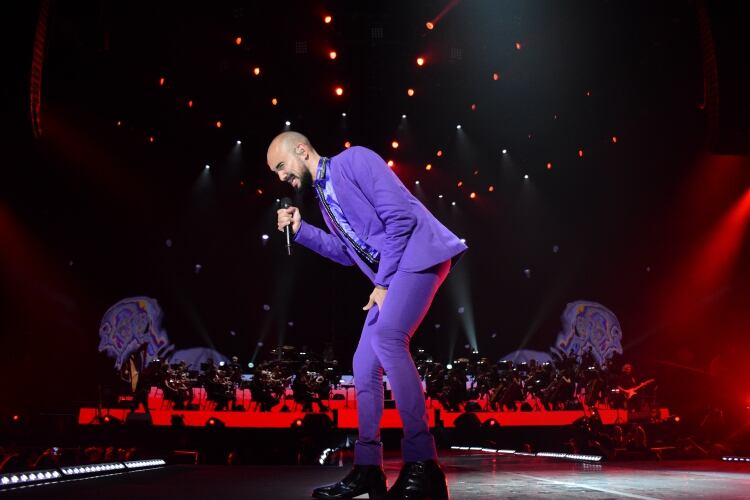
286	203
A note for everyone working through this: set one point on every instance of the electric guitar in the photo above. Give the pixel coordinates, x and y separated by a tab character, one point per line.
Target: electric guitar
629	393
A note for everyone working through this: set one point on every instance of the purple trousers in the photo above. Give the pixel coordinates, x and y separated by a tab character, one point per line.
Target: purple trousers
384	345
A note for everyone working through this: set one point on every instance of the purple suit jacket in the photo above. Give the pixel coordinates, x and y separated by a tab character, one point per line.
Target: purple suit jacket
382	212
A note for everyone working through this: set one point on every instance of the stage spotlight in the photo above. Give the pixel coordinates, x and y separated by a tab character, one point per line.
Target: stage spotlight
439	153
251	365
410	92
207	167
453	203
332	54
491	189
495	76
327	19
347	144
473	195
490	423
218	123
505	151
343	114
297	423
449	366
526	176
519	46
614	139
339	91
428	167
390	163
256	71
274	101
215	423
403	117
16	418
238	40
549	165
458	127
221	363
394	144
287	123
467	421
161	81
239	143
429	25
420	61
580	153
264	237
190	103
416	182
440	196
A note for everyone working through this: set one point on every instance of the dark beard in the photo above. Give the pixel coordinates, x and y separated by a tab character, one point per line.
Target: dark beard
305	183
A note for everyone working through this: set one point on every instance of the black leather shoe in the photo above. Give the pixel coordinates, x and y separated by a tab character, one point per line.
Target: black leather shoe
420	480
361	479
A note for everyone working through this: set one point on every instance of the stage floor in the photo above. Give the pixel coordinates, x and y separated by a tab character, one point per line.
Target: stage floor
471	476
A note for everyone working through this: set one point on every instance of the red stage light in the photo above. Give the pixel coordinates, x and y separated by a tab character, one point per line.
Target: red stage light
429	25
473	107
256	71
580	153
394	144
588	93
339	91
259	191
218	123
190	104
496	76
428	167
390	163
119	123
614	139
491	189
549	166
332	54
519	46
460	183
327	19
439	153
242	183
410	92
16	418
420	61
151	138
161	81
473	195
238	40
347	144
274	101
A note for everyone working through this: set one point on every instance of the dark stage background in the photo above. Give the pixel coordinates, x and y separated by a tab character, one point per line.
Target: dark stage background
629	102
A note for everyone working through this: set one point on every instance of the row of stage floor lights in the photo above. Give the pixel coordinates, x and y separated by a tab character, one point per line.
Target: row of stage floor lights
542	454
48	476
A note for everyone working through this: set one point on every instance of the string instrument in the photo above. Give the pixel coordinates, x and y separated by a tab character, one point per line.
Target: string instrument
629	393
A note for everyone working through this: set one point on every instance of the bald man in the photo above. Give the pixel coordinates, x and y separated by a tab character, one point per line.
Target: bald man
375	223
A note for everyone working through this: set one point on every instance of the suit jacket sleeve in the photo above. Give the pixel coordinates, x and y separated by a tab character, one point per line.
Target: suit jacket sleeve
326	244
387	195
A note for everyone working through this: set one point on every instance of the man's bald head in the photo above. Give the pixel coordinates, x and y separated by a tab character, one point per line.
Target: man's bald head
293	159
288	142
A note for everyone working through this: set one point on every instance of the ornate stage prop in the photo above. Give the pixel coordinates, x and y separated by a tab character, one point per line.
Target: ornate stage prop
588	326
128	325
